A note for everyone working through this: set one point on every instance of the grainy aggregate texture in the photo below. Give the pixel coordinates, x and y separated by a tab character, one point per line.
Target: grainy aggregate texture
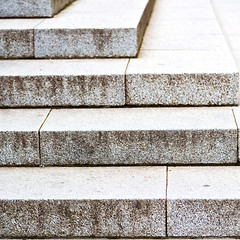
96	202
31	8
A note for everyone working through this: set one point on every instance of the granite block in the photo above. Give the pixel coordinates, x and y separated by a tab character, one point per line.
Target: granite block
97	202
176	78
203	202
139	136
82	34
19	140
16	37
35	83
31	8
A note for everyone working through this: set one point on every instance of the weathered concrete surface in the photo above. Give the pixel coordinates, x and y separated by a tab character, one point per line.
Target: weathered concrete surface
19	140
139	136
203	202
35	83
31	8
76	34
182	78
96	202
184	59
16	37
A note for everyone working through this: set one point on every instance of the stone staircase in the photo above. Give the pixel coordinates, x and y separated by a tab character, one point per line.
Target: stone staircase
105	133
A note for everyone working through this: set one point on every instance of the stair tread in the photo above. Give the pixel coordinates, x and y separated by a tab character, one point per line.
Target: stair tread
80	33
120	136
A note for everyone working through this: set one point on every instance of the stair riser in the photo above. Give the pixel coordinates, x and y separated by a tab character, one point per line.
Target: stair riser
33	8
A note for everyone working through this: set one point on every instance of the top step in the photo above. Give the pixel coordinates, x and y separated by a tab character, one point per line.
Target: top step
86	29
31	8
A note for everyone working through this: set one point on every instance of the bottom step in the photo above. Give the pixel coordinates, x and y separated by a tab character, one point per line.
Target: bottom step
120	202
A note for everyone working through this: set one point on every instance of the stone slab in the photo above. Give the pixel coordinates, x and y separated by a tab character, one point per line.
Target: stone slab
86	35
19	140
96	202
31	8
95	82
139	136
203	202
17	37
173	78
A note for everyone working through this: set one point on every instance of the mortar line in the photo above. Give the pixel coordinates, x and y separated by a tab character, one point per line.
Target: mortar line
237	134
35	38
39	138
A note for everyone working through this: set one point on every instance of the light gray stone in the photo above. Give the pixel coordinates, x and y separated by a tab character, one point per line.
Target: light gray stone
96	82
236	111
31	8
96	202
81	34
203	202
16	37
139	136
182	78
19	140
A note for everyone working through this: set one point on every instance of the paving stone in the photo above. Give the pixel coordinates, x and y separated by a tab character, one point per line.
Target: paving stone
182	78
97	82
139	136
102	34
96	202
19	140
32	8
203	202
16	37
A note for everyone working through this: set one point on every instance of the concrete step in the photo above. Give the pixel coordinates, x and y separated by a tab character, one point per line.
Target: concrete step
32	8
92	82
129	202
179	80
184	59
119	136
86	29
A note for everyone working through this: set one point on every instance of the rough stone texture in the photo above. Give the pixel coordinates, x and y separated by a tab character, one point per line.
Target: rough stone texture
236	111
16	37
76	34
19	140
97	202
139	136
95	82
203	202
31	8
182	78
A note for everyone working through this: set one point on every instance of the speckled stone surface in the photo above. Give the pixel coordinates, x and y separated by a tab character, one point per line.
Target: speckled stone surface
19	140
31	8
182	78
236	111
139	136
203	202
81	34
96	202
17	37
35	83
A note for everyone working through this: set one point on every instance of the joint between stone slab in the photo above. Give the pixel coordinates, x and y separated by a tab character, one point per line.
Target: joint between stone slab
125	82
34	34
166	202
237	134
39	138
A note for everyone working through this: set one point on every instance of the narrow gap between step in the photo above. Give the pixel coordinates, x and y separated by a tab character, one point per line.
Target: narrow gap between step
39	138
